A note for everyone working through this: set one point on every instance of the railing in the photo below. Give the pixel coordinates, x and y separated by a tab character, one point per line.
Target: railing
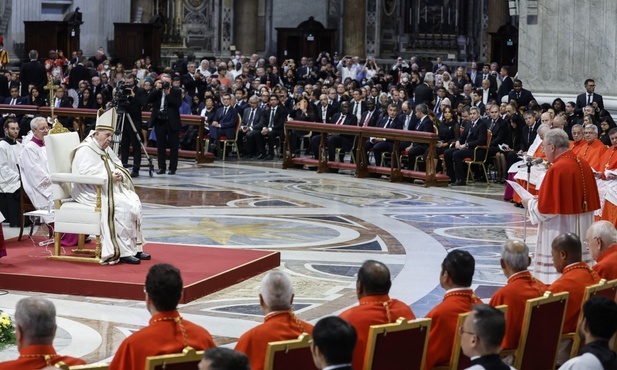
361	167
200	154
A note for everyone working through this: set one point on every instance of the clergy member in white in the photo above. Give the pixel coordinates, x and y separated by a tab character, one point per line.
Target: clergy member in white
10	150
121	237
34	171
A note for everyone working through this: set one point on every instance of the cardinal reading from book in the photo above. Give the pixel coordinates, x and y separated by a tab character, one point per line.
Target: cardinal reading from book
566	201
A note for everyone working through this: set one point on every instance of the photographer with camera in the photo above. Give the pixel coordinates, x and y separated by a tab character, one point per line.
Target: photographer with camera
165	119
130	99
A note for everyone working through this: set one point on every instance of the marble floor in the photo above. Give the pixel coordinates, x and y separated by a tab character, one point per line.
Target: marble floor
324	225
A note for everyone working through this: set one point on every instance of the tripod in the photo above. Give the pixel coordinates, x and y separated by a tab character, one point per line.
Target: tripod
117	139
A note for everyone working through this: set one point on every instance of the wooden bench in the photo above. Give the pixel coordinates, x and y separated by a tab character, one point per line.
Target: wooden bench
361	166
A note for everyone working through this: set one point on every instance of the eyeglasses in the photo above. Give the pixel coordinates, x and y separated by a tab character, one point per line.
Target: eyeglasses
462	331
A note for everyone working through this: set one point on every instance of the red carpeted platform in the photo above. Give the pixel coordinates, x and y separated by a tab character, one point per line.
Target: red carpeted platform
204	270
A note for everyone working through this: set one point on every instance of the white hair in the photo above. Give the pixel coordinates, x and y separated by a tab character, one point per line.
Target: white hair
605	231
34	124
276	291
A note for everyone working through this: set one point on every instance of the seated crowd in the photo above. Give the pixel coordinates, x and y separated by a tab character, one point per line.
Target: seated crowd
342	342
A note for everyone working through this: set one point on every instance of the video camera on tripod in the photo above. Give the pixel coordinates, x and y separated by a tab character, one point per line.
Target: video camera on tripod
121	95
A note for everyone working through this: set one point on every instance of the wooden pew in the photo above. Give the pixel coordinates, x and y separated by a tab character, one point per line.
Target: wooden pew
361	167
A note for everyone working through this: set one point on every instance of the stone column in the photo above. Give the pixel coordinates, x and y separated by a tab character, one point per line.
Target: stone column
245	26
354	24
568	42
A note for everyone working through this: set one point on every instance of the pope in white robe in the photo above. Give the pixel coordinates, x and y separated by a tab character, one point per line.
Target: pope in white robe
121	237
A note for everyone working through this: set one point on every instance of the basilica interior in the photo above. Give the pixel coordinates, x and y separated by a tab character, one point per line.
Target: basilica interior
324	225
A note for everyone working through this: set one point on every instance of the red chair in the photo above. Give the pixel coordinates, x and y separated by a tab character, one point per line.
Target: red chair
290	354
400	345
541	334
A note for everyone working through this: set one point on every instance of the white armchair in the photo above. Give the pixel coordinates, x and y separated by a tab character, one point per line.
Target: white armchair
70	216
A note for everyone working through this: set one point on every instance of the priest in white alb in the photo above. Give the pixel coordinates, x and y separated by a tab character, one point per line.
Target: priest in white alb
121	237
566	202
35	176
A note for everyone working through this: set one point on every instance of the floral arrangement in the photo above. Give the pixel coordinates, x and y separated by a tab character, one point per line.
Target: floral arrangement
7	330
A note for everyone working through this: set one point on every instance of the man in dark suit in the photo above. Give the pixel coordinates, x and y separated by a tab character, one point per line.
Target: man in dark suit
333	343
424	94
136	101
357	105
193	81
32	73
530	129
14	99
250	128
345	142
325	111
61	101
589	98
474	135
422	123
486	75
381	145
165	118
78	73
507	84
371	116
522	96
438	66
224	121
499	130
273	126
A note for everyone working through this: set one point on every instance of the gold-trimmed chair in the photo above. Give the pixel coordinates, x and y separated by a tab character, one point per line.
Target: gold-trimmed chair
604	288
458	360
389	346
290	354
186	360
232	142
63	366
478	159
541	332
70	216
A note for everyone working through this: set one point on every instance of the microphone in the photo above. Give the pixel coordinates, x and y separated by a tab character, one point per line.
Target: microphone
531	163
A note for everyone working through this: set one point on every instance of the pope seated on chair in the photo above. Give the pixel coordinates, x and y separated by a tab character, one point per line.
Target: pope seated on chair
121	236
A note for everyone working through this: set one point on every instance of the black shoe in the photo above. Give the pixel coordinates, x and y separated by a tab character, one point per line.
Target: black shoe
269	157
135	173
171	172
130	260
262	157
87	240
143	256
160	172
126	165
459	183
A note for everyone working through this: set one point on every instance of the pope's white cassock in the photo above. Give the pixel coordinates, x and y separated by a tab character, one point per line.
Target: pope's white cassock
35	175
120	206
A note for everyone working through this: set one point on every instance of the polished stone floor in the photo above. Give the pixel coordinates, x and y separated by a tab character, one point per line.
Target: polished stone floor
324	225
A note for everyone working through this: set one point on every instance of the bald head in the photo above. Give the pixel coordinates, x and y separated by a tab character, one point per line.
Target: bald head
567	249
373	278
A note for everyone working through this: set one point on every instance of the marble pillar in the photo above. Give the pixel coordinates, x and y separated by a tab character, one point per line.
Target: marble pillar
568	42
354	27
245	26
